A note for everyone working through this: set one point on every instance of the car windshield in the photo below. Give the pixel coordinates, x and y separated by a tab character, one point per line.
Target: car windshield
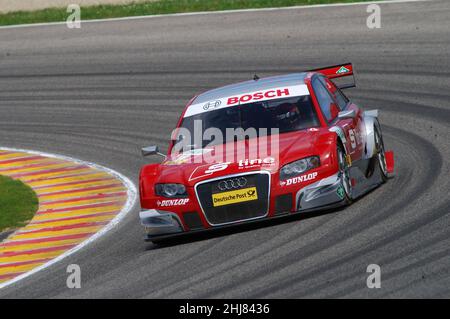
285	115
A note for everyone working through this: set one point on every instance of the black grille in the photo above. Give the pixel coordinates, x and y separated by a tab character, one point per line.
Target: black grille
237	211
193	221
283	204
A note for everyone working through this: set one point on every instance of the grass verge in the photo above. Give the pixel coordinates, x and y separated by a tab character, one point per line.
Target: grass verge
18	203
151	8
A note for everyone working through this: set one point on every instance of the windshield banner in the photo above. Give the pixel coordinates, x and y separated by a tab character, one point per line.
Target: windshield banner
251	97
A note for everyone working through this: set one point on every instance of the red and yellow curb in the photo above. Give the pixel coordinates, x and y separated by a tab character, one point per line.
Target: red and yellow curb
78	202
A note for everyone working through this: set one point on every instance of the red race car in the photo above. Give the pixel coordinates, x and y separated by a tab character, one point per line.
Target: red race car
261	149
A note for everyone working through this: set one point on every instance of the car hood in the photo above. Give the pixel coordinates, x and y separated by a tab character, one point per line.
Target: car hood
191	167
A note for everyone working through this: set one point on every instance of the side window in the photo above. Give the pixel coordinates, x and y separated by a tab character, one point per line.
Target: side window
340	98
326	102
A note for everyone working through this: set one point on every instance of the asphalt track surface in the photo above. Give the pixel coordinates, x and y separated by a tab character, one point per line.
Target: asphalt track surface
102	92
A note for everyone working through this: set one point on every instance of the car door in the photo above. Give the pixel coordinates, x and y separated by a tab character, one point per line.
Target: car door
330	97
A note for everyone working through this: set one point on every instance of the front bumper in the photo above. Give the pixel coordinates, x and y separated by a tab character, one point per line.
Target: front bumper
325	192
321	195
159	222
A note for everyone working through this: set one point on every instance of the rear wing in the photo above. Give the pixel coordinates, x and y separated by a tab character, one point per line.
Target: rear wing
343	72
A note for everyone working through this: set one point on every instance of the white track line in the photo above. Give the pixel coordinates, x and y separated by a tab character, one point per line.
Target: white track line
131	199
211	12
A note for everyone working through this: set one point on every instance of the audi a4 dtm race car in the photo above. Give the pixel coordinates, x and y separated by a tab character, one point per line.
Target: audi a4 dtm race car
325	152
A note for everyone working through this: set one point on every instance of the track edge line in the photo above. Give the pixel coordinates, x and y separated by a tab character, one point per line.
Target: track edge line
181	14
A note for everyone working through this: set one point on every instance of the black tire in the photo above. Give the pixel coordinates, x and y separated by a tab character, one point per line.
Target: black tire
344	175
380	153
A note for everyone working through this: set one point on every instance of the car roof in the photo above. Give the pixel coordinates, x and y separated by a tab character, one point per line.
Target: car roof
252	86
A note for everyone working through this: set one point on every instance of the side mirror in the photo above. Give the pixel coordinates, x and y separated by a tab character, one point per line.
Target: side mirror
151	150
349	114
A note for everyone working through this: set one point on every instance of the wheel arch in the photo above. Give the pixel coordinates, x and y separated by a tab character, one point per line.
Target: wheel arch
340	137
370	119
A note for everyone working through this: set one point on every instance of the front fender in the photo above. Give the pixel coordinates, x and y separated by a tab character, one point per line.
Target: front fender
146	181
340	136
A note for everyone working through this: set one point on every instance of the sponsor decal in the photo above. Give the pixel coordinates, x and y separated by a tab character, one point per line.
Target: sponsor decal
237	196
212	105
342	70
262	95
216	168
172	202
352	136
340	192
268	161
299	179
202	171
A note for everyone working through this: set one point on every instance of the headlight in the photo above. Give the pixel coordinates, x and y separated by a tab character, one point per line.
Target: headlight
170	190
299	167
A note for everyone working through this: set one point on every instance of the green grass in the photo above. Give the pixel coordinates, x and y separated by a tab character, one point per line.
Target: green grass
151	8
18	203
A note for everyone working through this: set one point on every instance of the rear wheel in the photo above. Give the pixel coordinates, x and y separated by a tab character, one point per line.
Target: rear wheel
345	190
381	156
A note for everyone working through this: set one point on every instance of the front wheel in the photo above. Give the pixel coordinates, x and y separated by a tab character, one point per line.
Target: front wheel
345	190
380	154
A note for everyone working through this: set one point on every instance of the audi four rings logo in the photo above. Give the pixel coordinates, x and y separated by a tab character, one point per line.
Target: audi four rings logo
212	104
232	183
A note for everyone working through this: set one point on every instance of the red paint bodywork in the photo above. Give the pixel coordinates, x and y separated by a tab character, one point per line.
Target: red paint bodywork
318	141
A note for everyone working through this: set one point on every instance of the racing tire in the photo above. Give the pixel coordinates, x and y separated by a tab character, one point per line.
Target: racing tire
380	153
344	175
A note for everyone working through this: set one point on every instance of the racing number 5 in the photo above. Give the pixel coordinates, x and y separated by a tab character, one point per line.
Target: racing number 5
351	135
